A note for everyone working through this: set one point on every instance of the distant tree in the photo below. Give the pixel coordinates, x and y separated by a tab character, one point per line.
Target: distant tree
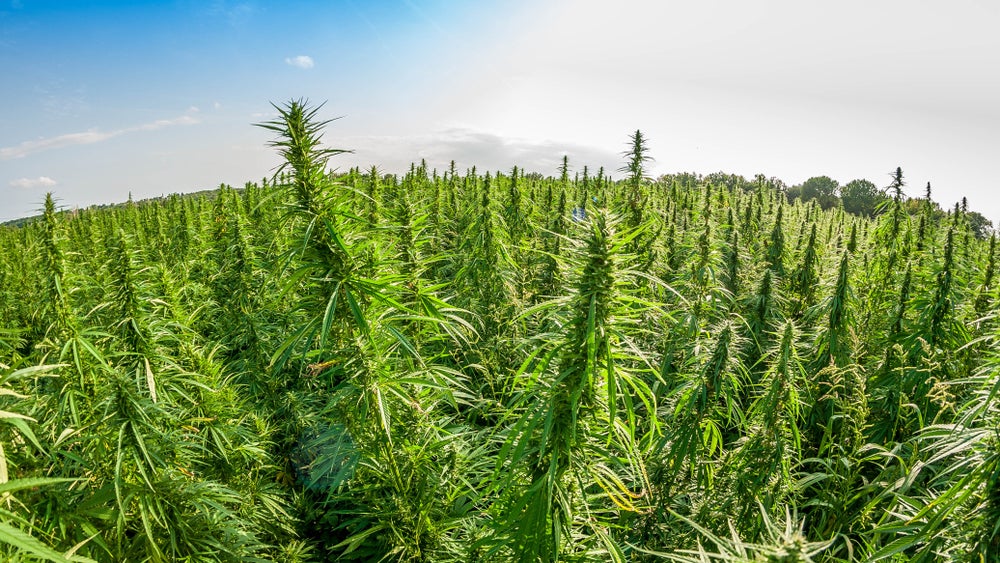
793	193
860	197
729	181
828	201
981	226
821	188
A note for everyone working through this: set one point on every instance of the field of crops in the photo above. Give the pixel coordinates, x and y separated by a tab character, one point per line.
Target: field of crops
467	366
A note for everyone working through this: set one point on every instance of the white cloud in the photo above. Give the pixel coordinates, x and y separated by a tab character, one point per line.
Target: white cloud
472	147
301	61
161	123
87	137
32	183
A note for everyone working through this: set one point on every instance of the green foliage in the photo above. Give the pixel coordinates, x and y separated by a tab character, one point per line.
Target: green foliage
500	367
823	189
861	197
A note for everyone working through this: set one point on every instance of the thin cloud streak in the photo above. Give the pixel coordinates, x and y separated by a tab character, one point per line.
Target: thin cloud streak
33	183
87	137
471	147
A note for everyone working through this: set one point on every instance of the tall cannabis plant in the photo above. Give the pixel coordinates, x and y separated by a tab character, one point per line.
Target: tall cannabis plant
575	467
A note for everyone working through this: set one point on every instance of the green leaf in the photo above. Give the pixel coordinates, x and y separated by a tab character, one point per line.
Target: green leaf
27	544
30	483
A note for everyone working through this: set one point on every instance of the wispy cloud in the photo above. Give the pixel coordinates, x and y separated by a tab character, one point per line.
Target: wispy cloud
301	61
236	13
87	137
32	183
161	123
471	147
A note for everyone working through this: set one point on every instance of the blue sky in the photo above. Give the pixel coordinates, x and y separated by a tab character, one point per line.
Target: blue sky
100	99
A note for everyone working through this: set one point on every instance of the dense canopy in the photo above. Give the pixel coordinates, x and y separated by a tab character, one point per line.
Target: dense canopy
493	366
